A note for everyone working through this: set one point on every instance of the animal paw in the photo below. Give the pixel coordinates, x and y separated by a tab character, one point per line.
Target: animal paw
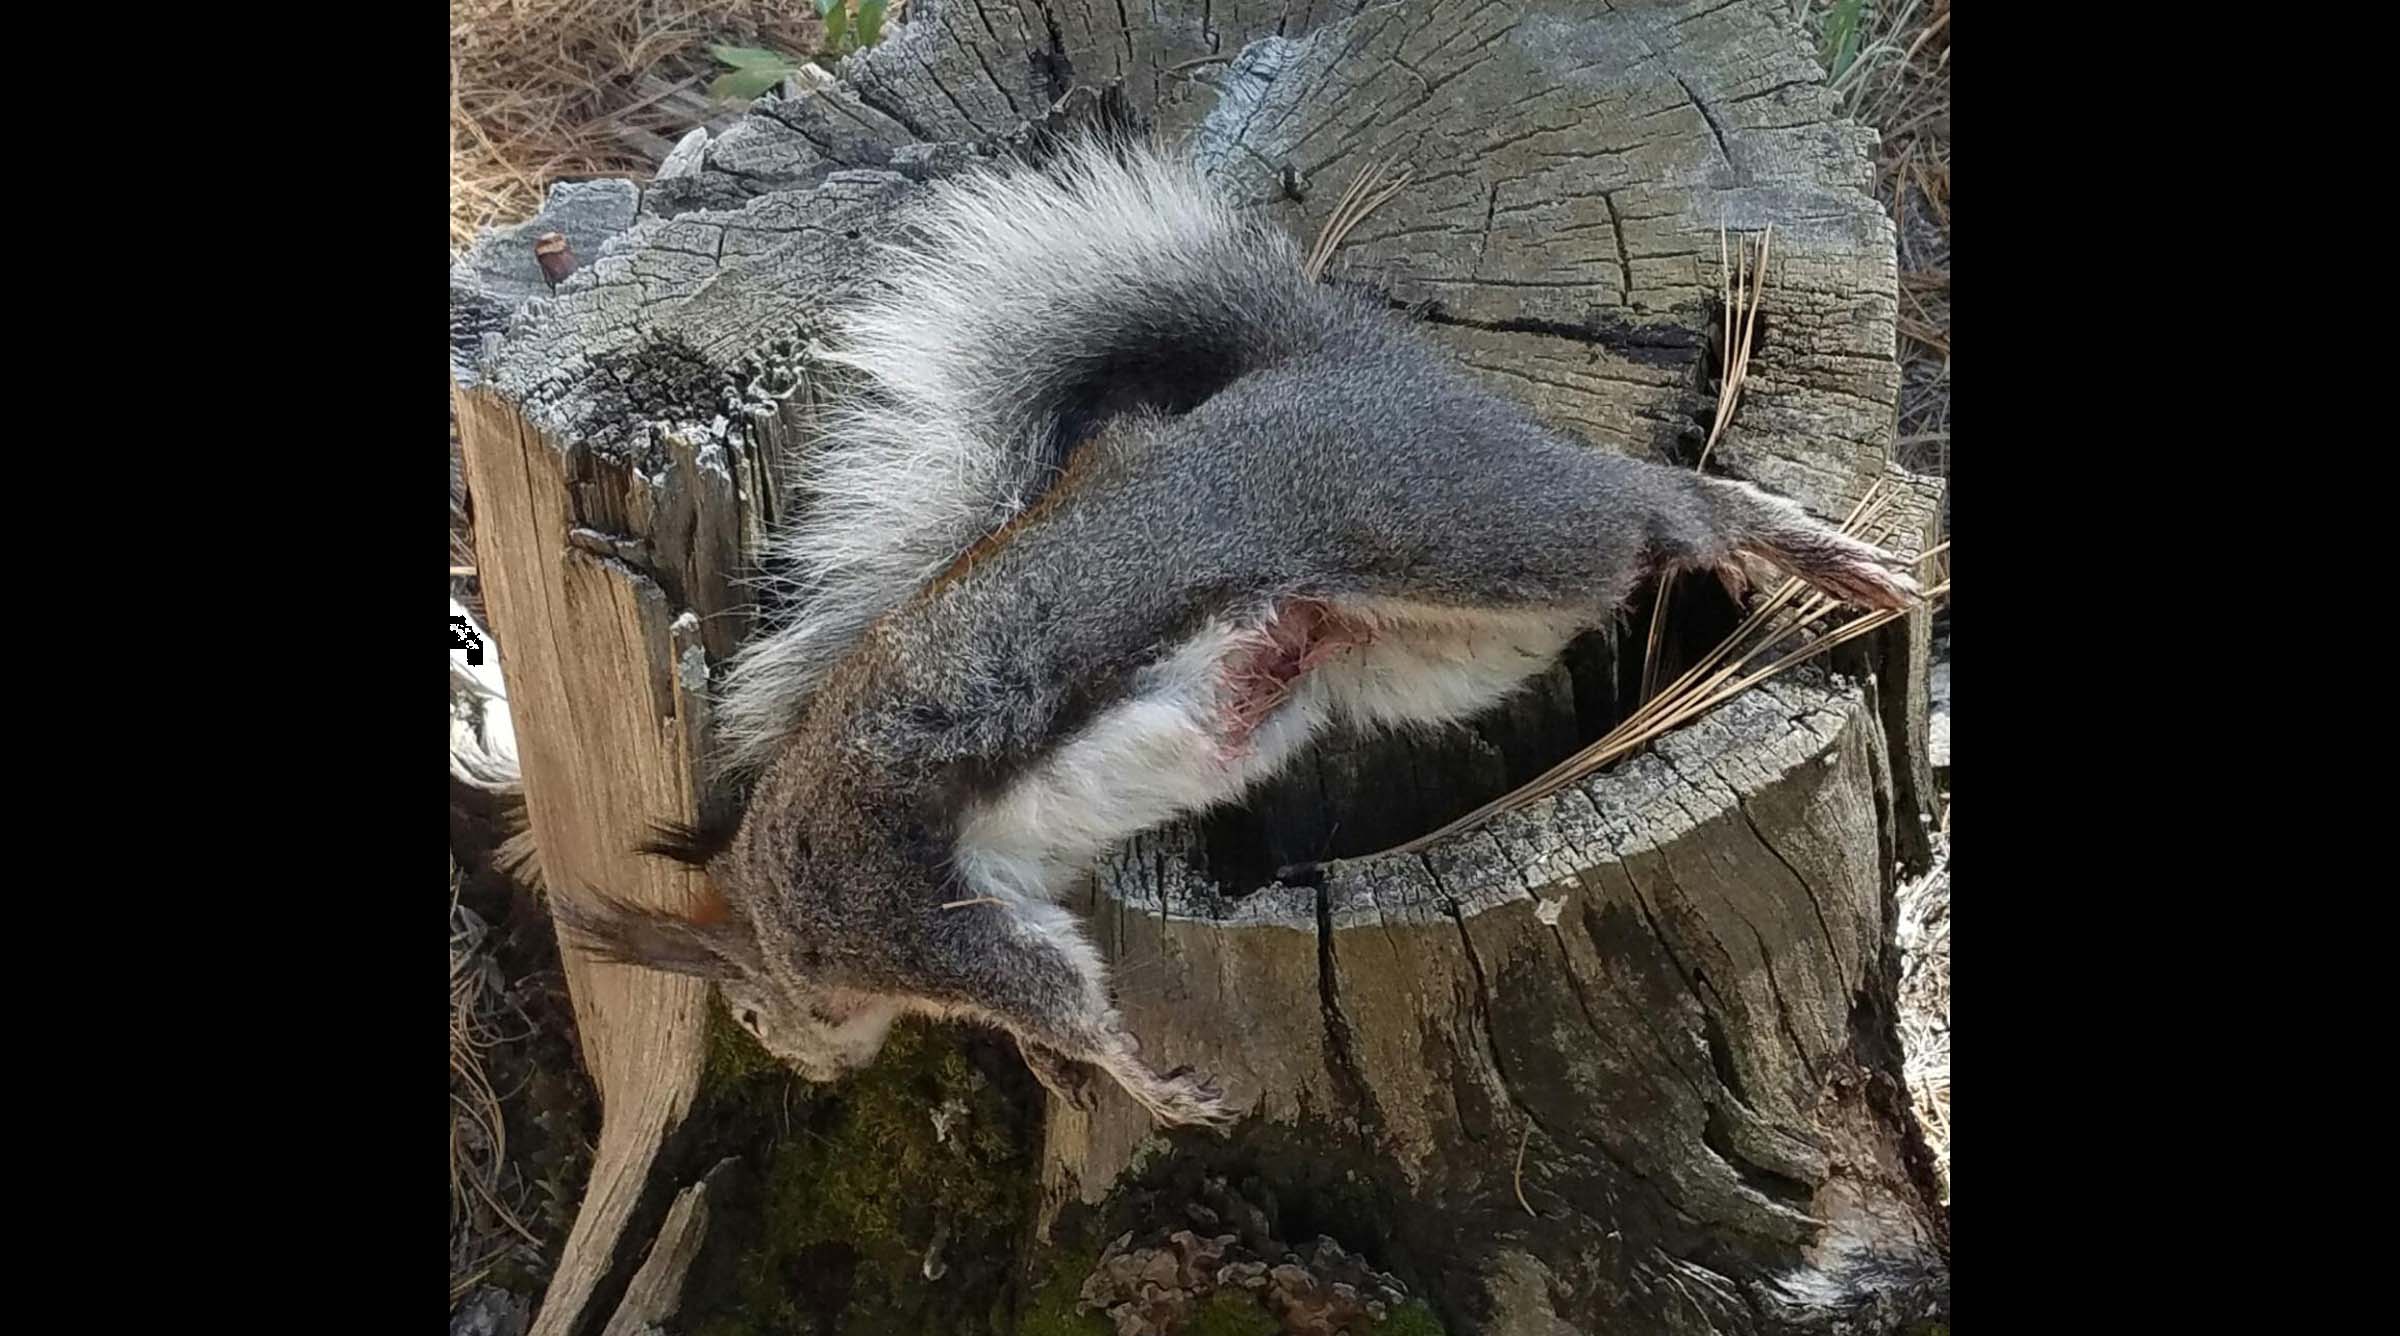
1061	1075
1857	573
1788	538
1868	576
1187	1098
1179	1098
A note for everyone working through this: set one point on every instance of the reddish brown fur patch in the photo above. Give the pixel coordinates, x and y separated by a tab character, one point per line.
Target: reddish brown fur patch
710	908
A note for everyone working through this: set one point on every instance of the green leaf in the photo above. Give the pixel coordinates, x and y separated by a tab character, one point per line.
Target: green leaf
870	20
825	8
835	19
1841	36
751	57
1847	57
744	85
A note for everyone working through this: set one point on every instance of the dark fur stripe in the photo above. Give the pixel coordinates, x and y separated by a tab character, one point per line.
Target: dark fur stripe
694	844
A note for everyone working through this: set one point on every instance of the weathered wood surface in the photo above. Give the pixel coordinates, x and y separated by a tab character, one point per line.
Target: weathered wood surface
1667	988
600	677
1671	986
655	1294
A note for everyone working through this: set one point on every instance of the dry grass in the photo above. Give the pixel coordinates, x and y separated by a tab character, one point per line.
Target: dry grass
1900	85
549	90
487	1198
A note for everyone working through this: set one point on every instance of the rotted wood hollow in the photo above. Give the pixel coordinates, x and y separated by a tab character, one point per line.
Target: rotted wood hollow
1632	1040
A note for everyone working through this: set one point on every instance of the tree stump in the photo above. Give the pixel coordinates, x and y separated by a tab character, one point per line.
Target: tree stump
1622	1060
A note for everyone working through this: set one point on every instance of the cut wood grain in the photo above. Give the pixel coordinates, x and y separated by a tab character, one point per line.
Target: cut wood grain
602	745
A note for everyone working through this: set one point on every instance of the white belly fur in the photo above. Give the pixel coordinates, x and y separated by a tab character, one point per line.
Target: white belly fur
1161	755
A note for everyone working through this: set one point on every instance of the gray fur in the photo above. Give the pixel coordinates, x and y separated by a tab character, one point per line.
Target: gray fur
1343	529
1010	292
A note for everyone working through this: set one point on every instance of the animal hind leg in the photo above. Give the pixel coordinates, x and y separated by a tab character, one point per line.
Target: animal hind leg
1033	975
1551	525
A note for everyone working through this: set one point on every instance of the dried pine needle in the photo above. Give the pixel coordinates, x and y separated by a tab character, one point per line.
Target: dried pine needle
1368	192
1745	291
1772	639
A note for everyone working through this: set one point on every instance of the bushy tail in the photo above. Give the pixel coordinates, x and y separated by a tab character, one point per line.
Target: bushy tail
1031	305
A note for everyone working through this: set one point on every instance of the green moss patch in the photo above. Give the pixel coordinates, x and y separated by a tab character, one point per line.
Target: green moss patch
858	1182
